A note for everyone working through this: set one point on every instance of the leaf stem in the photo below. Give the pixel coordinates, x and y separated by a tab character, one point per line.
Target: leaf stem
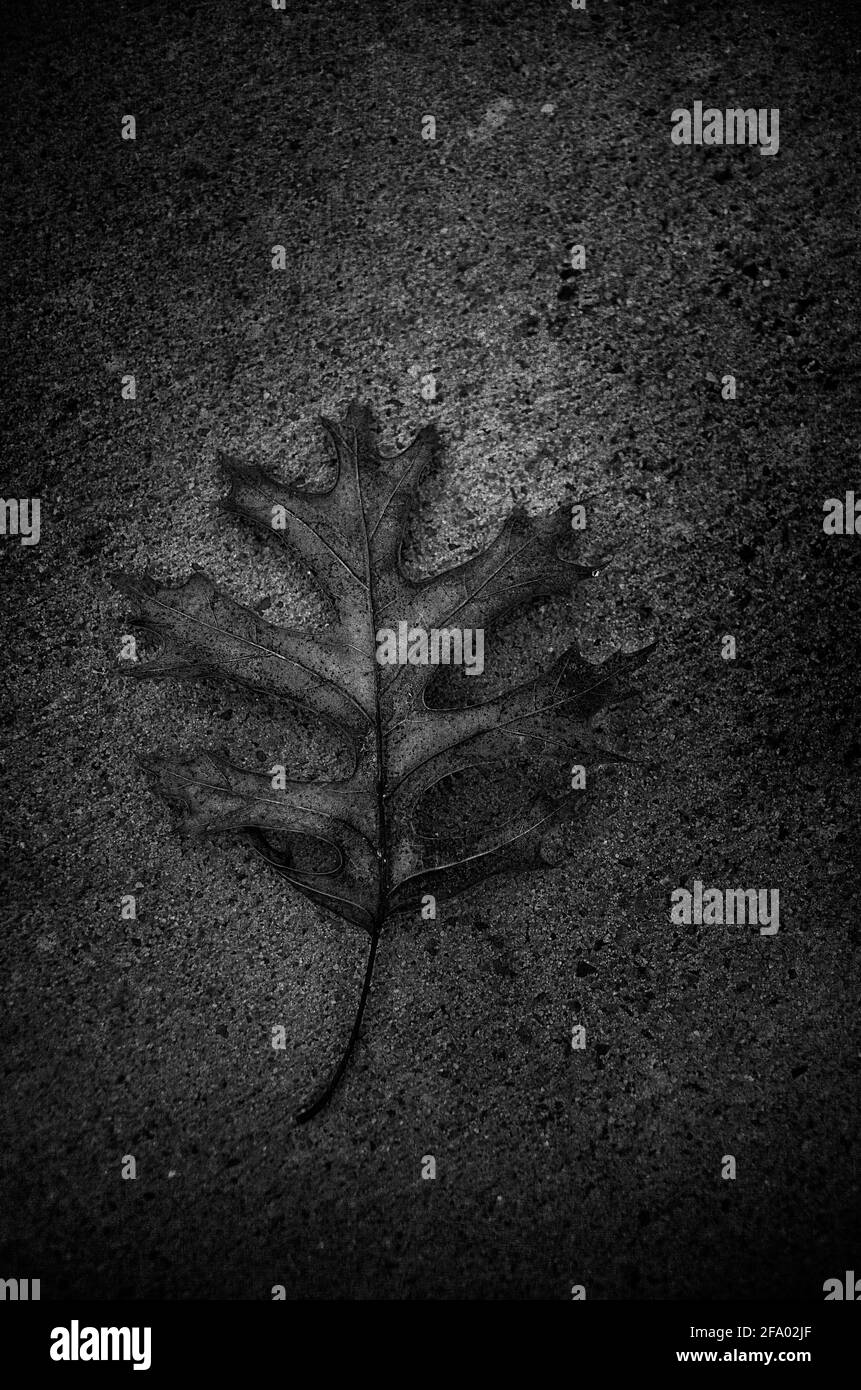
309	1111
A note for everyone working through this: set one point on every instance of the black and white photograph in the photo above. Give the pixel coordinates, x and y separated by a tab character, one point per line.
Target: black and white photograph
430	736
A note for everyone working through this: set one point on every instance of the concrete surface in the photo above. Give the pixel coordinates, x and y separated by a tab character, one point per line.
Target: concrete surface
405	257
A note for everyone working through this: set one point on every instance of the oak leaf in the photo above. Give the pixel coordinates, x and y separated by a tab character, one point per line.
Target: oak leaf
362	846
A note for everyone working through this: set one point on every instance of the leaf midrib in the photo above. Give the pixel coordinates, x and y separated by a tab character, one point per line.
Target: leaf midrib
379	733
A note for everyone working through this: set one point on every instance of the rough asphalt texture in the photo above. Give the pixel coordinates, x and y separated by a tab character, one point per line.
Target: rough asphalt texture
406	257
